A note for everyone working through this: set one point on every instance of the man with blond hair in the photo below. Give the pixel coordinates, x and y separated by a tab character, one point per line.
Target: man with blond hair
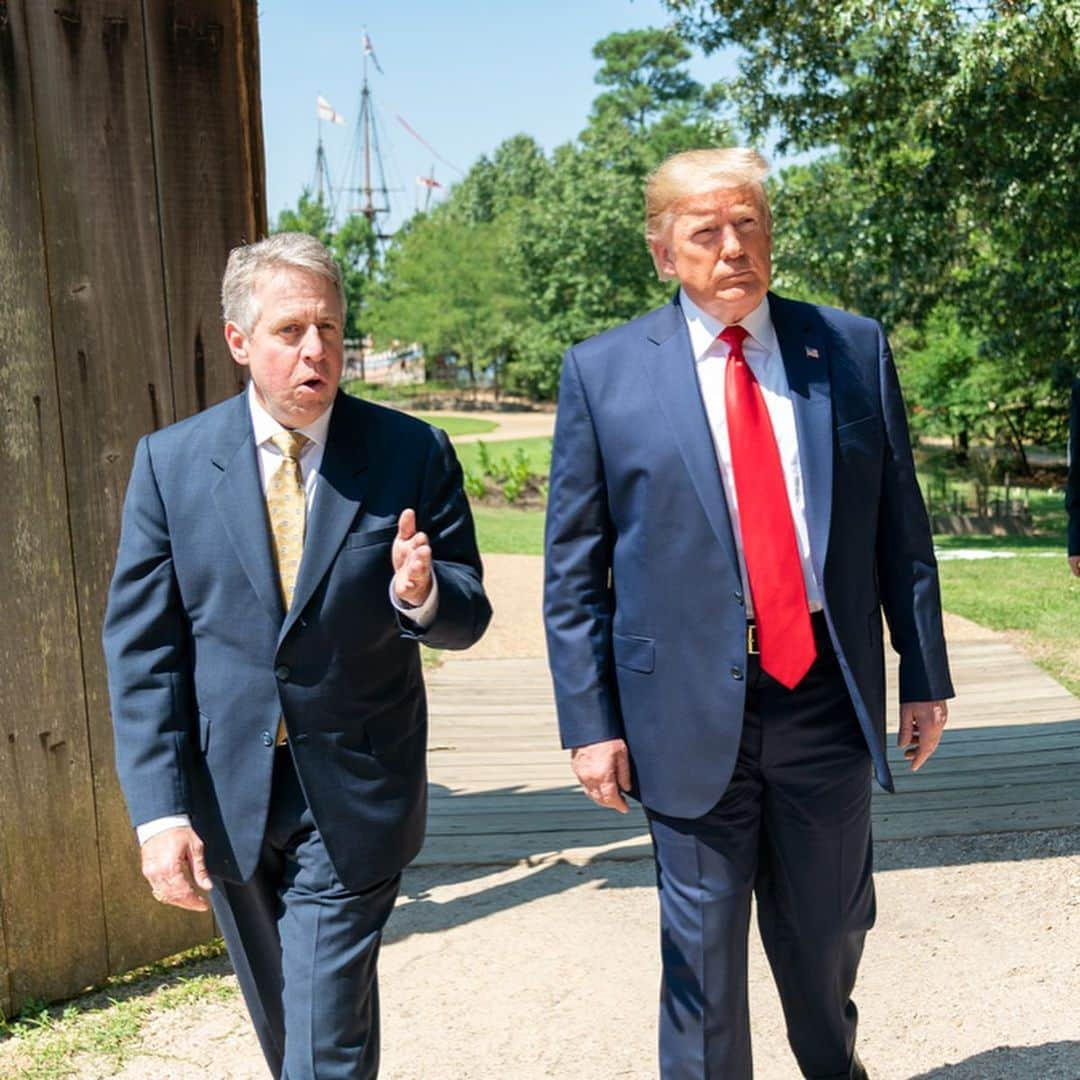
282	555
732	506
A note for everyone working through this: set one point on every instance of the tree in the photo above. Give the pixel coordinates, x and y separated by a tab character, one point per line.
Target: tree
531	253
445	285
951	133
578	245
352	245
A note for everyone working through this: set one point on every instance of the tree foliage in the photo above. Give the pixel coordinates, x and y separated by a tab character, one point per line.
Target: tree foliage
950	132
542	250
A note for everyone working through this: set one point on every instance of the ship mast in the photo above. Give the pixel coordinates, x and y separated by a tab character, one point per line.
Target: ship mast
372	189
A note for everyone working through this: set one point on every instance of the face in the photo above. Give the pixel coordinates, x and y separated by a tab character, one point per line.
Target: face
720	249
295	351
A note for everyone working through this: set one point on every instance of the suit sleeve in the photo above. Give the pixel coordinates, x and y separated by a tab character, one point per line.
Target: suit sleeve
578	601
1072	487
147	651
907	568
443	513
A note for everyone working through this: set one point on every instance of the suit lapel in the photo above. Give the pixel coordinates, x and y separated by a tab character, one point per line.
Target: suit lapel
239	500
806	363
670	366
343	478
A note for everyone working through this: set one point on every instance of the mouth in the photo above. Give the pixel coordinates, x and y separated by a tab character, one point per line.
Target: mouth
314	383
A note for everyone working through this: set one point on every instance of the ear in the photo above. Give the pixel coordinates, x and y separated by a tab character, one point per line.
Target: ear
237	341
662	260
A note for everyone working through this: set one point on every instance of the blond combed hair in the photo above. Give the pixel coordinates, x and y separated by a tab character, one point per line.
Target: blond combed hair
282	251
694	172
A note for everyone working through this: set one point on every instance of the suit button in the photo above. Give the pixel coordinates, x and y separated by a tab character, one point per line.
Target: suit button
302	737
738	596
736	673
283	672
267	739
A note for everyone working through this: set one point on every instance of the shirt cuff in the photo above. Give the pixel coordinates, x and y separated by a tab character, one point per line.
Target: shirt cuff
424	614
159	825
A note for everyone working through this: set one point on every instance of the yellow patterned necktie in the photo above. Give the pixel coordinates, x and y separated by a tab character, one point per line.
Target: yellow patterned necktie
286	506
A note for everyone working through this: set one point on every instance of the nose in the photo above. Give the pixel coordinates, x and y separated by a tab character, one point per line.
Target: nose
311	345
730	244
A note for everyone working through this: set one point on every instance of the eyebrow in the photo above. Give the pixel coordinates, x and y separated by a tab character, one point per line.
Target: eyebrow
301	316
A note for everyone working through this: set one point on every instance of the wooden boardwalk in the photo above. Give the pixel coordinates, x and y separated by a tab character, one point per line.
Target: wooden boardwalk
502	791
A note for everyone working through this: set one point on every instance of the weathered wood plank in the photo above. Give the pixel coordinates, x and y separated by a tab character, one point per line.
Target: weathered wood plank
46	793
95	139
203	79
582	845
502	789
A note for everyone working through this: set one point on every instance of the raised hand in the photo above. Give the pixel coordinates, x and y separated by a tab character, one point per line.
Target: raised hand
411	555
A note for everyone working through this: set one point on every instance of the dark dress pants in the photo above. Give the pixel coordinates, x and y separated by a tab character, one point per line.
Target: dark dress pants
793	828
304	947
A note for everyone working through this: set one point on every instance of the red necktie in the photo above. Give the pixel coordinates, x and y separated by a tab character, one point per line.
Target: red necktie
785	636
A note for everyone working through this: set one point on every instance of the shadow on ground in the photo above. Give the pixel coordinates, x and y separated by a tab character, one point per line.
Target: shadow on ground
1050	1061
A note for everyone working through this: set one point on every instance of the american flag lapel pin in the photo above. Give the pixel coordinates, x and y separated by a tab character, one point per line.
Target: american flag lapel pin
811	352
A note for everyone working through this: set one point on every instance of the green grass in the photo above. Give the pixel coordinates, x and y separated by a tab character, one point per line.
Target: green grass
509	531
457	425
1032	595
397	392
41	1043
538	451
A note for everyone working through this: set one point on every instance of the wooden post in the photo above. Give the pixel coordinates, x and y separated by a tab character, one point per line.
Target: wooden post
137	164
52	901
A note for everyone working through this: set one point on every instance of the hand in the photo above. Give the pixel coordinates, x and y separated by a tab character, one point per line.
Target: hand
411	556
921	725
1074	565
604	771
171	861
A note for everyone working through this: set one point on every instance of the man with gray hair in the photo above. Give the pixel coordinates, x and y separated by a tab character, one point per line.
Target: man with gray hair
282	555
732	506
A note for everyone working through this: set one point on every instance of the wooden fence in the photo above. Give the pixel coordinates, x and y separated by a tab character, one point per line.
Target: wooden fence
130	162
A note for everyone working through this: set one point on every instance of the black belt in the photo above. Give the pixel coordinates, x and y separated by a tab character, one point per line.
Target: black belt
817	623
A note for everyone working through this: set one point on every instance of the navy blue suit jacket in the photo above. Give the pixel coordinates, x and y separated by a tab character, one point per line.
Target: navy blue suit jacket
203	658
646	622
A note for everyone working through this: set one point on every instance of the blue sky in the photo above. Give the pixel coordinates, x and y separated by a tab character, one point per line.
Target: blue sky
464	75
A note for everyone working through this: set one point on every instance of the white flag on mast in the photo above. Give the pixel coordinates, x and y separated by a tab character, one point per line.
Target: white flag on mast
326	111
369	50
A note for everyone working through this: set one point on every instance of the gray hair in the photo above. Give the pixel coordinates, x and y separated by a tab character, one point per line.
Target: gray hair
696	171
286	250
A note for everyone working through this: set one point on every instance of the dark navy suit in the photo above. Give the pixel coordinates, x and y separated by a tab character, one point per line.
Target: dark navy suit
646	625
203	660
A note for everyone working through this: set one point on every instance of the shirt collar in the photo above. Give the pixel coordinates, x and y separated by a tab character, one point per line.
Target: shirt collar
704	328
265	426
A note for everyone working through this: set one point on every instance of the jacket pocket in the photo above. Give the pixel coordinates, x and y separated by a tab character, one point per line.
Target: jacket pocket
855	430
635	653
371	537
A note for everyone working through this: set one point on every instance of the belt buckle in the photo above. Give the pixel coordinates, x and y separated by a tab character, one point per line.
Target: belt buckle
752	640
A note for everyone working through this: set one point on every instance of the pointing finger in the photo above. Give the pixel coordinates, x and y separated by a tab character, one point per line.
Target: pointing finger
406	524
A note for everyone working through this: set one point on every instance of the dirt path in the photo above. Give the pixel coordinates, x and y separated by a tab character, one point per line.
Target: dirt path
512	425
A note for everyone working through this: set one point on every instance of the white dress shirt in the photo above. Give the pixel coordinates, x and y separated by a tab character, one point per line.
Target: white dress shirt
269	456
762	351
